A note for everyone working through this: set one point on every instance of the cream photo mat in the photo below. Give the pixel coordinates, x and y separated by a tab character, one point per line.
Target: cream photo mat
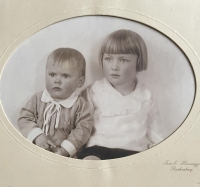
150	168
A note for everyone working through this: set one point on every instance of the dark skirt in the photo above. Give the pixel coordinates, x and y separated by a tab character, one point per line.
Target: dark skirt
105	153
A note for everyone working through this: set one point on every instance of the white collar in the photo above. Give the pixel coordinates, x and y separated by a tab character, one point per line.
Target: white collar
140	92
67	103
54	107
109	86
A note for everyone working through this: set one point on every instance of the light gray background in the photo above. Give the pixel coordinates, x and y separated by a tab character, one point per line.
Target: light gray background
169	75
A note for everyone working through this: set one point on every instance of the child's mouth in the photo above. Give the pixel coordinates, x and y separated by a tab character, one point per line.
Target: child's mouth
114	75
57	89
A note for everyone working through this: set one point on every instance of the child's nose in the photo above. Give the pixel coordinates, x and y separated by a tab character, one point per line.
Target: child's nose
58	80
115	65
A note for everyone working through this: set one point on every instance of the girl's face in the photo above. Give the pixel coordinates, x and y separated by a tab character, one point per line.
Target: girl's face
62	80
119	69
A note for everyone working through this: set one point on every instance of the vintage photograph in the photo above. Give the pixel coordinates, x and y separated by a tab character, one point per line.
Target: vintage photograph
97	88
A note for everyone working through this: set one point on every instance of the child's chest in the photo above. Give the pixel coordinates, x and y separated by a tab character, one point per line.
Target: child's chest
110	104
65	117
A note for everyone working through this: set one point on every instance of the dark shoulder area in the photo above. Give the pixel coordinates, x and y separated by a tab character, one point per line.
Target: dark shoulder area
81	103
81	99
87	92
38	95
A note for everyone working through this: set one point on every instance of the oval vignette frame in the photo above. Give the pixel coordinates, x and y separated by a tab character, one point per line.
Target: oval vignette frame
183	130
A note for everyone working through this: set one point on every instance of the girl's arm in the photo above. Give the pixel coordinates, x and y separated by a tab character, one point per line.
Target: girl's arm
156	129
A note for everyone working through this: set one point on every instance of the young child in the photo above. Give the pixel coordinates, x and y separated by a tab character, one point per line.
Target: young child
57	119
126	119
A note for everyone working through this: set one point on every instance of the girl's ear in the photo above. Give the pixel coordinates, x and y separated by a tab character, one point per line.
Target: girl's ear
81	81
101	65
101	60
138	65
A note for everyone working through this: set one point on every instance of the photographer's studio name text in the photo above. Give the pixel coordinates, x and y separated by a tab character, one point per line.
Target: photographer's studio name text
181	165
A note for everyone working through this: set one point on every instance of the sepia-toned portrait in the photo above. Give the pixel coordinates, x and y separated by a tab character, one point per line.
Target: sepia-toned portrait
97	88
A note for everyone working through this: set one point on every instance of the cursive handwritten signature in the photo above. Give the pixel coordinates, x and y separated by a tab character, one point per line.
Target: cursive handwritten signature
181	165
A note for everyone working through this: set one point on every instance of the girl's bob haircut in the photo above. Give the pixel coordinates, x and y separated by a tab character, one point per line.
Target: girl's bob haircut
125	42
70	56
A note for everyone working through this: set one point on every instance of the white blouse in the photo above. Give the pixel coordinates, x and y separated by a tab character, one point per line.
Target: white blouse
128	122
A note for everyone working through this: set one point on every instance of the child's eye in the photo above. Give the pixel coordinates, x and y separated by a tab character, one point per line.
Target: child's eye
66	76
107	58
52	74
123	60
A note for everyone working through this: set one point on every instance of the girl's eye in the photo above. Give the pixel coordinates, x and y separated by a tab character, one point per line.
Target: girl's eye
107	59
123	60
66	76
52	74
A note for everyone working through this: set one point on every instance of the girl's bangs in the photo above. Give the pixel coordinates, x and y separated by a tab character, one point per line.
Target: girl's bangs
119	47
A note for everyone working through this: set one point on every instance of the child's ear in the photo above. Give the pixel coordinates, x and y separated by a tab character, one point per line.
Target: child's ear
81	81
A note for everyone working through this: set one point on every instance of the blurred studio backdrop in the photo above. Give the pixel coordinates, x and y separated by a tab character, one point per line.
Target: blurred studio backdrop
169	75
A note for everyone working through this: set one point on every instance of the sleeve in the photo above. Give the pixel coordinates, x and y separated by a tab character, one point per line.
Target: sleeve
27	120
156	129
88	96
83	127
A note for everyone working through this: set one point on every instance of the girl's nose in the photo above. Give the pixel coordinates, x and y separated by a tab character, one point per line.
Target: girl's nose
115	65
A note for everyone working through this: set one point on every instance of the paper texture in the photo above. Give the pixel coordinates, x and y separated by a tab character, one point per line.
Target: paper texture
174	162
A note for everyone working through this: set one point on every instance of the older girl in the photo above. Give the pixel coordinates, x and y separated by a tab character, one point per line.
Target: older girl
126	119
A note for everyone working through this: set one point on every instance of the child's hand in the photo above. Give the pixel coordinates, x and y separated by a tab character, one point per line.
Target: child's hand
43	142
60	151
58	137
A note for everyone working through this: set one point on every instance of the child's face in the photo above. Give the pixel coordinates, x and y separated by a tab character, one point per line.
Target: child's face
62	80
119	69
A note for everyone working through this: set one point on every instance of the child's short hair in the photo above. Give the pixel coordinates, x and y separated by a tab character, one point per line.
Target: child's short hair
125	42
68	55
